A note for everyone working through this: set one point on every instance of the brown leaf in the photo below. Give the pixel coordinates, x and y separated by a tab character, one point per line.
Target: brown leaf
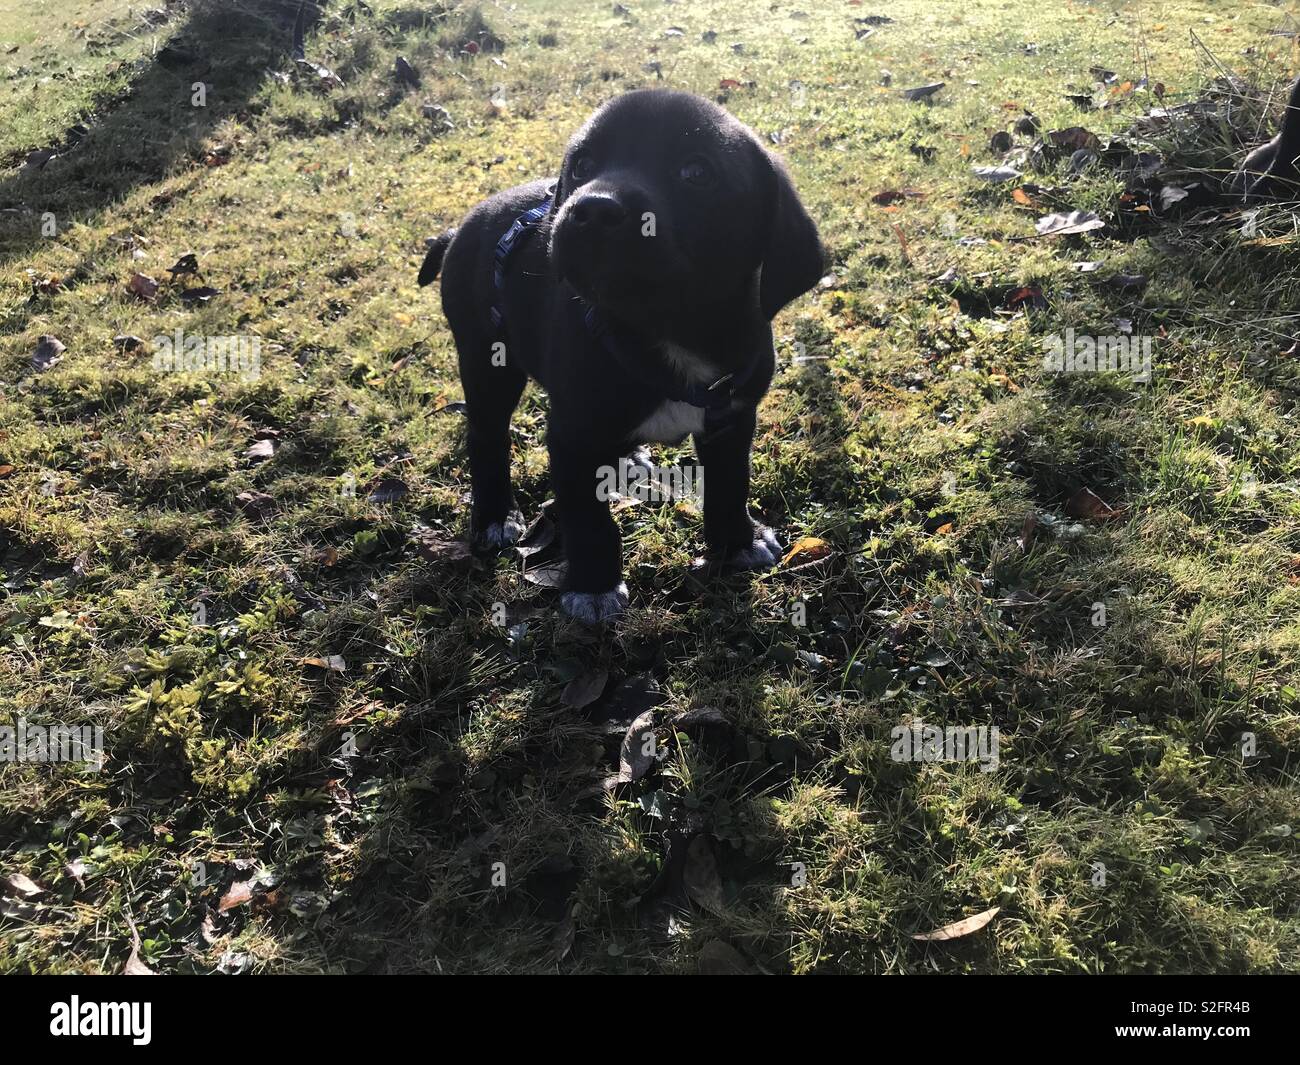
888	196
584	690
24	886
957	929
143	286
237	894
436	550
1074	138
256	504
1087	504
806	549
1027	296
135	967
1028	531
633	760
334	663
902	241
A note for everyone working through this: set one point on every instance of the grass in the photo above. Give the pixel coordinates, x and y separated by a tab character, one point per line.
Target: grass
261	809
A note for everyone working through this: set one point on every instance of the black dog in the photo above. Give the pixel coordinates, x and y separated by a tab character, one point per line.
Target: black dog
638	288
1270	170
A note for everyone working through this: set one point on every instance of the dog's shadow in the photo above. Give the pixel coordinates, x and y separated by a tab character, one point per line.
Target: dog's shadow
498	815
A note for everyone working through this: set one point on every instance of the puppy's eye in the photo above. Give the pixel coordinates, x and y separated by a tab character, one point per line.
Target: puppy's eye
581	169
696	171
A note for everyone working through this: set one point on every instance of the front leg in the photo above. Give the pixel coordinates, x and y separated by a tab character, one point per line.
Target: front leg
730	533
594	589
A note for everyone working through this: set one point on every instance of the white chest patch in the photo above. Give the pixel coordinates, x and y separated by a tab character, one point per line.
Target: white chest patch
670	423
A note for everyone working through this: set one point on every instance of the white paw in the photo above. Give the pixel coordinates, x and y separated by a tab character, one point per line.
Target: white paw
639	460
502	533
595	607
763	553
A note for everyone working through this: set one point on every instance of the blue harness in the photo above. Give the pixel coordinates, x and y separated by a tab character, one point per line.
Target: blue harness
714	400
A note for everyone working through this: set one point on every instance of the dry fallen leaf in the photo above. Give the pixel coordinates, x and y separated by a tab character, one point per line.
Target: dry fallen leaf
1087	504
434	549
806	549
255	504
584	690
1057	225
960	928
334	663
636	754
995	174
49	351
1028	531
24	886
134	966
700	715
922	92
550	575
143	286
238	893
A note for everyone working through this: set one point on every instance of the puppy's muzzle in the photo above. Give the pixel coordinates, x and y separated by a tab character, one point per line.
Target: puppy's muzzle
598	214
598	244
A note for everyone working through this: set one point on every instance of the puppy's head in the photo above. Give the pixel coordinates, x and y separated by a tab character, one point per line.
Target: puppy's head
667	205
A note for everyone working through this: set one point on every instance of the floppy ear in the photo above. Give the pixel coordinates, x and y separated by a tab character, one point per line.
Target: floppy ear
794	259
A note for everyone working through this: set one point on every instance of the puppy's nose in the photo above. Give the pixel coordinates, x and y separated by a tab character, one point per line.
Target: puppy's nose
598	210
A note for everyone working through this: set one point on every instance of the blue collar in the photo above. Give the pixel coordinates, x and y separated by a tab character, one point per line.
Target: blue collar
715	399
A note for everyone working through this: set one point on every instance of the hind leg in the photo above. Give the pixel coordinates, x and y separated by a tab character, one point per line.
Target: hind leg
491	394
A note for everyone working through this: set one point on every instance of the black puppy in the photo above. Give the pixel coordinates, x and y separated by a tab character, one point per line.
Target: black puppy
1270	170
638	288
